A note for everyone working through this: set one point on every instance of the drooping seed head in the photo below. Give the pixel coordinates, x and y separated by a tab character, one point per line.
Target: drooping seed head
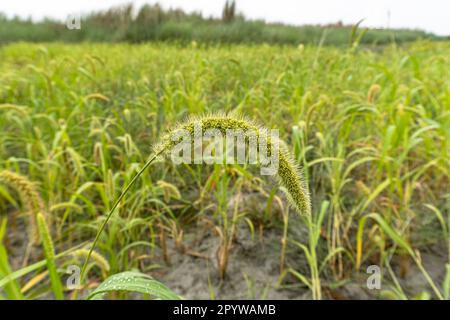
289	174
30	198
99	260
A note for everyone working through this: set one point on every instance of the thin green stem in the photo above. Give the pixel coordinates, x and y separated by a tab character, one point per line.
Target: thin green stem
428	278
116	204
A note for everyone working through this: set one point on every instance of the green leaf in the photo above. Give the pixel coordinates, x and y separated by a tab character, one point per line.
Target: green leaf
134	282
393	234
12	289
446	284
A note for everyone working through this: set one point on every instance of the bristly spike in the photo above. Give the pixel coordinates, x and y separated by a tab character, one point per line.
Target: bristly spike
30	198
289	174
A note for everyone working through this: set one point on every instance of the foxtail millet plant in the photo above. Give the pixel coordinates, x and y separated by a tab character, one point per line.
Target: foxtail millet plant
289	175
98	259
49	252
30	197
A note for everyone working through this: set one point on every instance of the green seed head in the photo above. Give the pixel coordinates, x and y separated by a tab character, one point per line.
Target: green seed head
30	197
289	174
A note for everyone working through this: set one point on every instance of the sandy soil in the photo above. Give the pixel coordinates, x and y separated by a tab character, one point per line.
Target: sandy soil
254	267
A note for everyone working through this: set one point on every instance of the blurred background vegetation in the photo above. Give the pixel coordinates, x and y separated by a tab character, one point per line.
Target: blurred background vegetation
152	23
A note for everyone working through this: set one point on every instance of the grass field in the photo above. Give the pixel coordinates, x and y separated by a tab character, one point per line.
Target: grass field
370	128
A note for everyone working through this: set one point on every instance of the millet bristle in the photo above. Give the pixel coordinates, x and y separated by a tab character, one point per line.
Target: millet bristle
30	197
289	174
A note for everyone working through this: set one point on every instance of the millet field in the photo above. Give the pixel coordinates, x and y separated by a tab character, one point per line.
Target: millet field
366	130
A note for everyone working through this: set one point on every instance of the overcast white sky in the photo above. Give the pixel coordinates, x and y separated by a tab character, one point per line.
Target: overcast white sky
429	15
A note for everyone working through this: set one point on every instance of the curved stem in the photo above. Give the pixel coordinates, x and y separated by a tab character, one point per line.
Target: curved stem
116	204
